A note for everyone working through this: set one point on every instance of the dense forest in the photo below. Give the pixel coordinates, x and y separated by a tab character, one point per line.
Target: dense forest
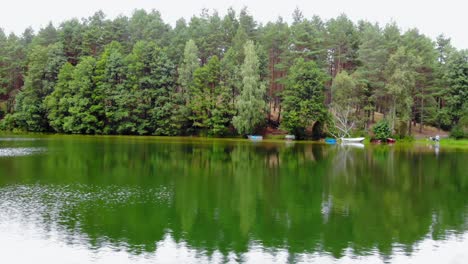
230	75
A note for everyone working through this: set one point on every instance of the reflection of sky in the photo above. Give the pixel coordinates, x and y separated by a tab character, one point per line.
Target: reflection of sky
17	152
24	243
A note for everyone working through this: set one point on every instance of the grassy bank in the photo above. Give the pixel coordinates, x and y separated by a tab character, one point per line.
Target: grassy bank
447	143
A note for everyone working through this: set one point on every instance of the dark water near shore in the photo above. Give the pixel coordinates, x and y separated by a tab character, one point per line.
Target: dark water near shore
77	199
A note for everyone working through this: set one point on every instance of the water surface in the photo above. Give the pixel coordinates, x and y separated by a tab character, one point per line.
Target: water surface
78	199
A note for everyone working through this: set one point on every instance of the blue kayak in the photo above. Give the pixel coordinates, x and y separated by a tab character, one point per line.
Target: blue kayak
330	141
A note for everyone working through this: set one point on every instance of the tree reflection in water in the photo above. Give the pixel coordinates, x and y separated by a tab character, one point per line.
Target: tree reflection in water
222	196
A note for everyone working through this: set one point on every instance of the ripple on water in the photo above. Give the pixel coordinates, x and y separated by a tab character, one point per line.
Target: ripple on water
47	207
18	152
17	139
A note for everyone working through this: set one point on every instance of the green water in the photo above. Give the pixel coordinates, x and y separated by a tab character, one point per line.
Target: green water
146	200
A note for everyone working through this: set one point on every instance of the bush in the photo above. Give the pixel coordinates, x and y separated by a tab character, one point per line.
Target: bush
457	132
7	123
382	130
401	129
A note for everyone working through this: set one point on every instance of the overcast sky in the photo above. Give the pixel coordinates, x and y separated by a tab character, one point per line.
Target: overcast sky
431	17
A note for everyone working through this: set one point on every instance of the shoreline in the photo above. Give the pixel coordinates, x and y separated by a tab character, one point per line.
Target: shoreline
444	142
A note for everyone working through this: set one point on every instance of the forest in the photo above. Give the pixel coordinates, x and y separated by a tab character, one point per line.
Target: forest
230	75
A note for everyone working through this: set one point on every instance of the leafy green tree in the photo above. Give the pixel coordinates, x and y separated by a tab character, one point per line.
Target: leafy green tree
57	103
344	90
188	67
303	97
250	103
401	72
85	106
110	77
456	76
134	88
210	106
152	82
44	65
206	80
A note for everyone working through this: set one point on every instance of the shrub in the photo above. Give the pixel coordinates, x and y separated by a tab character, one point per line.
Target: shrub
381	130
457	132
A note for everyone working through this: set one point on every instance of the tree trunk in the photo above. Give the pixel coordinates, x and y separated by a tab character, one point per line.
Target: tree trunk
410	126
279	114
421	116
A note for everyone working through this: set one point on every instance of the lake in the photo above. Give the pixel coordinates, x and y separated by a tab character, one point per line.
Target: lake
87	199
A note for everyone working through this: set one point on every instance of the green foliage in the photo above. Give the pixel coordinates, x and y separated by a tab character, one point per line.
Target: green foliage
456	77
344	90
210	106
145	73
458	132
188	67
382	130
250	103
57	103
303	97
44	65
152	83
401	74
86	110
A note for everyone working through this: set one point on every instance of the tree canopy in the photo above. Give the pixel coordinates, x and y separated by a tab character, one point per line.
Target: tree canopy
225	75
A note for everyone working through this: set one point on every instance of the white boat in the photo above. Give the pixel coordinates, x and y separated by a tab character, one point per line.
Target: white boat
352	140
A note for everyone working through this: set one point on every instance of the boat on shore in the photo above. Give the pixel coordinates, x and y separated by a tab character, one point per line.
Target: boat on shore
255	137
352	140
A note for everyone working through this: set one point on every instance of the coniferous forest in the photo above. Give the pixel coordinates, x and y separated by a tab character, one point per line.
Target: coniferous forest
229	75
